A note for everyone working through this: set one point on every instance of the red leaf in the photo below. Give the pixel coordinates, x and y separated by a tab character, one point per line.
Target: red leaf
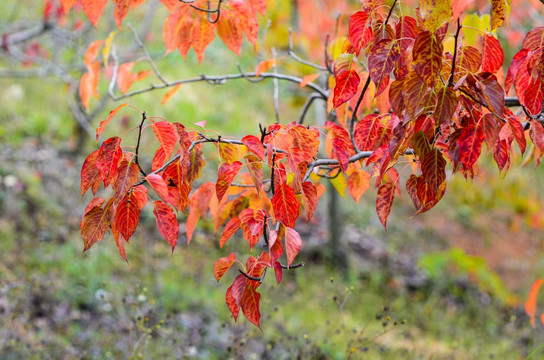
384	202
308	79
252	225
121	9
228	152
231	303
533	96
293	244
427	54
232	226
159	159
359	33
278	271
167	222
225	176
286	206
127	175
125	78
98	201
446	103
381	61
534	40
346	86
90	176
358	184
196	163
229	30
127	215
88	85
221	266
202	35
95	224
492	54
309	199
264	65
433	167
93	9
367	132
104	123
530	304
109	155
250	305
159	186
178	188
169	94
254	145
517	129
167	136
255	169
469	144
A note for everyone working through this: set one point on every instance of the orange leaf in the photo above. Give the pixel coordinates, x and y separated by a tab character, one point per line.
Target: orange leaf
159	186
67	5
159	159
229	30
228	152
109	155
308	79
358	184
232	226
265	65
384	201
255	169
250	305
169	94
127	175
167	136
530	304
121	9
225	176
95	224
178	188
93	9
125	78
309	199
196	163
127	215
293	244
167	222
254	145
286	206
100	129
88	84
90	176
221	266
92	53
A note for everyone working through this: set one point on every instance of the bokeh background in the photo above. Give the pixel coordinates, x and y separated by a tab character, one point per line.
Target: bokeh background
447	284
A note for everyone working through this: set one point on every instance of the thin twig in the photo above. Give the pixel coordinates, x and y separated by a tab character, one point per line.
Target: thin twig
292	54
140	128
307	105
459	26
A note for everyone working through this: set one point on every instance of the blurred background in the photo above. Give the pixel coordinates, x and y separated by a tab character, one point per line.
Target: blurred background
447	284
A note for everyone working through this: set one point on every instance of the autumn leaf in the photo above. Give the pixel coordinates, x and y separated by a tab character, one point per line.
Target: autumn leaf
127	215
498	13
469	144
254	145
121	8
159	186
435	13
265	65
358	184
530	304
308	79
90	176
109	155
345	87
104	123
167	136
492	54
286	206
433	167
169	94
93	9
384	202
309	199
427	54
359	33
382	60
250	305
232	226
225	176
167	222
89	83
293	244
127	175
95	224
125	78
221	266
